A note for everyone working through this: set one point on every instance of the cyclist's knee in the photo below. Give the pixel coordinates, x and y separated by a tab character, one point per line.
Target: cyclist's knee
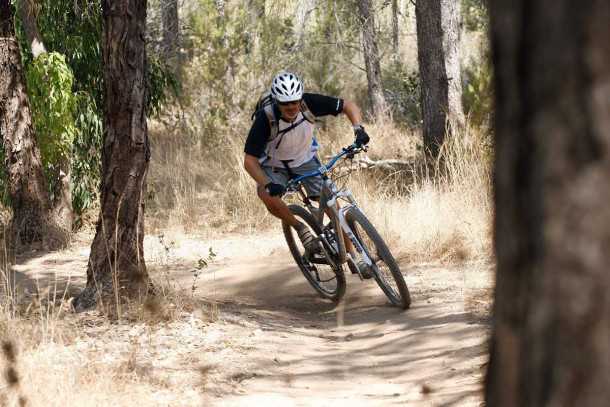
271	202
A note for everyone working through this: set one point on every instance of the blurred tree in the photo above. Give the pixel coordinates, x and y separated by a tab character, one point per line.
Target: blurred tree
304	11
171	34
438	37
116	266
551	333
395	30
32	218
366	14
28	13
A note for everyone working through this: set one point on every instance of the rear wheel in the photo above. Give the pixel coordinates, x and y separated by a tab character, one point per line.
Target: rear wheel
320	270
386	270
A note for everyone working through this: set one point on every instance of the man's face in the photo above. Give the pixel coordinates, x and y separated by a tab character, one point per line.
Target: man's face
290	110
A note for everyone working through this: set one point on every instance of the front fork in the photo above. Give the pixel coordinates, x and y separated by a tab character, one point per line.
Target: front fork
347	231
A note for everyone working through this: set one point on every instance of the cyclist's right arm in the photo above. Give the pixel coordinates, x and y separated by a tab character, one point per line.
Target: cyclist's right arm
253	168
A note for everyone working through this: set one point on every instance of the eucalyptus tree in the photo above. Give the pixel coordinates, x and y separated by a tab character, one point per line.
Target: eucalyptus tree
395	30
550	344
370	50
32	218
116	266
171	41
49	82
438	37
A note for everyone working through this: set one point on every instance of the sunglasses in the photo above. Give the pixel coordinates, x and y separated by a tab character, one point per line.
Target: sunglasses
293	103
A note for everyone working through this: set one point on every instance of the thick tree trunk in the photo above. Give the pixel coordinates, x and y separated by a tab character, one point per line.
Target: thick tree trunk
551	334
62	195
28	14
438	34
170	25
32	220
371	58
116	267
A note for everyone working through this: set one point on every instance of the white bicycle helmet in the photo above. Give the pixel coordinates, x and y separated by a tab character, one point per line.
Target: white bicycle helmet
286	87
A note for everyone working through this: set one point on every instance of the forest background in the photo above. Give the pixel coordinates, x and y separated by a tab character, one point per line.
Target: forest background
207	64
205	74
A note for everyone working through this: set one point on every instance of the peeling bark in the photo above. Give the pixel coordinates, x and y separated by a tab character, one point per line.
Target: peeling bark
32	218
116	268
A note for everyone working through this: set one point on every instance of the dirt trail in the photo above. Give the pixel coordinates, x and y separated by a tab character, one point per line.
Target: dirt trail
304	351
280	345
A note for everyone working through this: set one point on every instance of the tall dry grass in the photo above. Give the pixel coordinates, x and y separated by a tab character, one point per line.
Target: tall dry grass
443	214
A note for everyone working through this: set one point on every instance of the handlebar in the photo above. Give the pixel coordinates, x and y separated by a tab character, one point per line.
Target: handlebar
347	152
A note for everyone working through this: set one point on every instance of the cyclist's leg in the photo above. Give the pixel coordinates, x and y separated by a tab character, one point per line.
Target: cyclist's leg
275	205
278	208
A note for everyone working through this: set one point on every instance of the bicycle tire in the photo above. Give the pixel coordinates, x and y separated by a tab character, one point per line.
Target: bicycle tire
310	270
360	225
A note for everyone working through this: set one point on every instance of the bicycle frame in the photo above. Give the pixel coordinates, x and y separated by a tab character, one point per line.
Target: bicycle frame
329	204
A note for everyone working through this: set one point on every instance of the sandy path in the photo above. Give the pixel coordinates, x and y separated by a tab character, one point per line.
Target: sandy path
283	346
363	352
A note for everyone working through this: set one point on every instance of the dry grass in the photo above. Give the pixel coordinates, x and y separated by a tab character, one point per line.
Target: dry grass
443	218
162	348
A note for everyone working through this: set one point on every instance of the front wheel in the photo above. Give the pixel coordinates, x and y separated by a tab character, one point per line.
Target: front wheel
386	270
321	271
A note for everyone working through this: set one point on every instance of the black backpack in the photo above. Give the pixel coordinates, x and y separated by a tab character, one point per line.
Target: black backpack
265	102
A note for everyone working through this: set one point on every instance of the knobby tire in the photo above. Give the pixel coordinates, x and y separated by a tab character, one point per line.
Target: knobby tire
290	234
359	223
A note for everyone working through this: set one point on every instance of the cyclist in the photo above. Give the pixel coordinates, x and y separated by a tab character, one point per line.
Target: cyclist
292	141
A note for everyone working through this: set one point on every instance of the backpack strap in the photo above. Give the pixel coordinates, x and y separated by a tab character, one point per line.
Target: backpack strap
310	117
273	124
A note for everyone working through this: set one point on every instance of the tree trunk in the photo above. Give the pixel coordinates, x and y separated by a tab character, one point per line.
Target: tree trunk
438	34
229	72
551	335
170	25
395	30
304	10
28	14
371	58
62	194
116	268
32	220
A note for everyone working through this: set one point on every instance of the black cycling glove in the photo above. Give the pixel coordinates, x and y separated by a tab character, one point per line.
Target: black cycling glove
275	189
362	138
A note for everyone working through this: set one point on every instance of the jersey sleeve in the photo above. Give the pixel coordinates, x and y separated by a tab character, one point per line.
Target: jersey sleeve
258	135
321	105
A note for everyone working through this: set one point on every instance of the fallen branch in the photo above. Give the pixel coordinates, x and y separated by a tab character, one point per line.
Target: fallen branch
388	164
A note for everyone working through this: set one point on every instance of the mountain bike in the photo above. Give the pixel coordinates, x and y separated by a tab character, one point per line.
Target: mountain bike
331	224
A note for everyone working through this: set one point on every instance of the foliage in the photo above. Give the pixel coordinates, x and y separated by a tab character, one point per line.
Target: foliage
49	83
477	93
71	31
474	15
402	92
87	153
159	82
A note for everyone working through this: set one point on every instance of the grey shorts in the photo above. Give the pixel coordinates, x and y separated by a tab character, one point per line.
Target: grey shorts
313	185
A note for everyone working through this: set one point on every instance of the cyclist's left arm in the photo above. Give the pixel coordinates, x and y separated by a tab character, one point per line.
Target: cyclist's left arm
352	111
322	105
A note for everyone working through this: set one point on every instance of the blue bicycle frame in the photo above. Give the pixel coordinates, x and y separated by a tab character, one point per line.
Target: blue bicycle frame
328	200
